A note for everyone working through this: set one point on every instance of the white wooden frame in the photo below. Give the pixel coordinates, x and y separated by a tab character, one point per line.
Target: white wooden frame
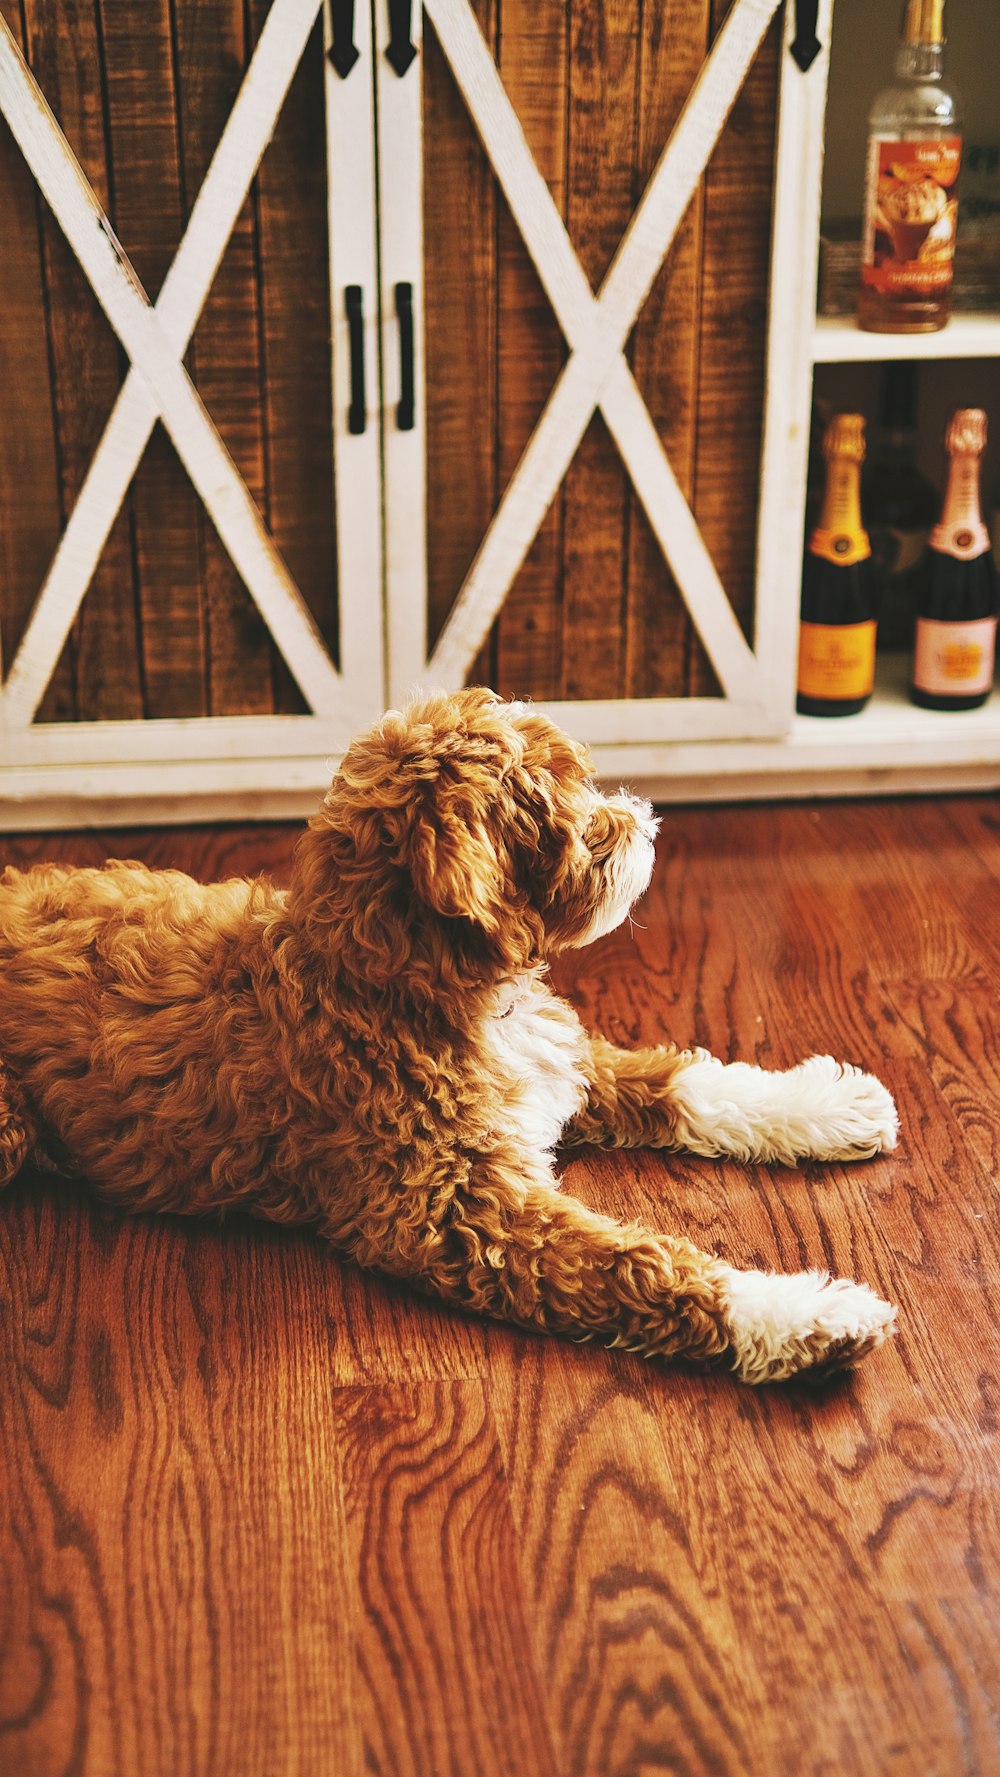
758	684
212	755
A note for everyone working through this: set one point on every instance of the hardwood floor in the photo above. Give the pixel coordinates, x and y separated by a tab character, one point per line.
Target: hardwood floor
263	1514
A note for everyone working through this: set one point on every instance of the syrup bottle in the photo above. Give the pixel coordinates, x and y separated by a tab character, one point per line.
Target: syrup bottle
911	206
837	631
957	608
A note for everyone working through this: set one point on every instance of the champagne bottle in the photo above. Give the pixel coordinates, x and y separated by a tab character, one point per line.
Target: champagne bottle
900	505
911	206
837	632
957	608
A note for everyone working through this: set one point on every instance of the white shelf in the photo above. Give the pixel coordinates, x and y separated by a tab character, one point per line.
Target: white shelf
841	341
890	747
891	723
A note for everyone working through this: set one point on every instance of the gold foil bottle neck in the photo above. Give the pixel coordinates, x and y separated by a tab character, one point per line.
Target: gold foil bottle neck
966	434
923	21
844	438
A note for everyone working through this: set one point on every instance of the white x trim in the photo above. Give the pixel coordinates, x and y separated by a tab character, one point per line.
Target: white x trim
596	374
158	385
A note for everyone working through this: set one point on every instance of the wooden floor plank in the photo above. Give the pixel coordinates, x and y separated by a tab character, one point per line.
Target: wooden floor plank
262	1512
635	1643
387	1333
959	1028
441	1637
177	1547
761	941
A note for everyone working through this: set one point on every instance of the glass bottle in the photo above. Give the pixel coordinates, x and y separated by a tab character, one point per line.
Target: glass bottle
911	206
900	506
957	610
837	631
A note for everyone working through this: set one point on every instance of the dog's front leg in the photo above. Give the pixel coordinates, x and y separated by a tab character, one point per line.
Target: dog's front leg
674	1098
525	1252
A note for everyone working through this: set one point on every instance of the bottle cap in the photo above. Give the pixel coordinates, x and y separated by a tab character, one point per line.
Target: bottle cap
923	22
845	438
966	434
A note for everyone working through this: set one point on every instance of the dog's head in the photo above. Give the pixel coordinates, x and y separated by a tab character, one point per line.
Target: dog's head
464	837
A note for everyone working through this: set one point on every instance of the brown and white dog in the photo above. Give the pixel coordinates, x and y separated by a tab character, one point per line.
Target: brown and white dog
376	1051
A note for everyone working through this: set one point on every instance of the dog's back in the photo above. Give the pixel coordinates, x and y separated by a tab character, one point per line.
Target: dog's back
119	1000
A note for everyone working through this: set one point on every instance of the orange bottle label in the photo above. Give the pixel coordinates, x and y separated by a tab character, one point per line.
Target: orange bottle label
836	660
911	212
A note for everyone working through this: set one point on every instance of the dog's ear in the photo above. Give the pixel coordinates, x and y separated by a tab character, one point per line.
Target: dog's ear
454	865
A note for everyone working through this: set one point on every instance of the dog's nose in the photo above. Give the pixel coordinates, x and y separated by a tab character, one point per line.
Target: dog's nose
641	812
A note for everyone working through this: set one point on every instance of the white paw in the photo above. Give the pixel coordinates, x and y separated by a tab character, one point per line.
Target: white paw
779	1325
851	1115
821	1110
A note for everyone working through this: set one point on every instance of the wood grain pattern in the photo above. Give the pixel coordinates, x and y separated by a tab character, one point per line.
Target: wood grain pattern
598	1539
188	1575
293	276
530	346
149	202
664	353
103	650
225	354
166	627
263	1512
460	210
30	513
603	76
732	335
433	1545
593	611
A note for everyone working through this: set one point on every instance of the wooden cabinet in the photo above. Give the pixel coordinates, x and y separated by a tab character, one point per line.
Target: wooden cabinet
190	479
481	346
592	302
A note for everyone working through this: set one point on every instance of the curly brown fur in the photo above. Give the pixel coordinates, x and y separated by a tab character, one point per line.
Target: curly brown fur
377	1051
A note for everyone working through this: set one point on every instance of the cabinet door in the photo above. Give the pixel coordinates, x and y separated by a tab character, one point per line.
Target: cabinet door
578	222
190	481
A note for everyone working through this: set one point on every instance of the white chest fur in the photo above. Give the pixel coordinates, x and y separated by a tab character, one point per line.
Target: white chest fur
535	1047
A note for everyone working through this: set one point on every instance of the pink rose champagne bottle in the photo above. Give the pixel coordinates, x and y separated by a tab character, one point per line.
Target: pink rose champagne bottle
957	604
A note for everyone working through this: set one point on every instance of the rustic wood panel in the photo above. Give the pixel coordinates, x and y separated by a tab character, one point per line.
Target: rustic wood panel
293	275
30	508
594	611
225	356
166	627
664	352
531	349
733	336
603	78
103	649
266	1512
149	201
460	321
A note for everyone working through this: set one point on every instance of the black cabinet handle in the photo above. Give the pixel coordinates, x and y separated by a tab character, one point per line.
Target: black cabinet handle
805	44
354	302
405	418
343	51
400	52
